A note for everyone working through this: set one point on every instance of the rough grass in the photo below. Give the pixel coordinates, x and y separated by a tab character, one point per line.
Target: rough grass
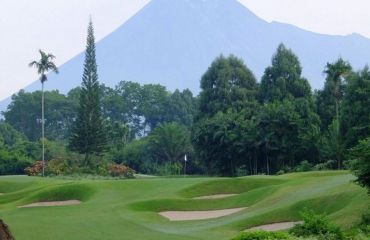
127	209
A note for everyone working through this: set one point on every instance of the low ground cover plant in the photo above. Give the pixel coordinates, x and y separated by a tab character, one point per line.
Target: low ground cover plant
317	226
262	235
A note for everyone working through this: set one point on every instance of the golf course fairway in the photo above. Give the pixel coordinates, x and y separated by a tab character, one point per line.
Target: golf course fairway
129	209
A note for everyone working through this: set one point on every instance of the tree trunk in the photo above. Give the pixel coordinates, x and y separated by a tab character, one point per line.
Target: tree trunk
267	161
338	133
43	130
87	159
250	164
232	174
255	161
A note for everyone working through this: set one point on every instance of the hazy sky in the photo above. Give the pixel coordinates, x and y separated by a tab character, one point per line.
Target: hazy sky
59	26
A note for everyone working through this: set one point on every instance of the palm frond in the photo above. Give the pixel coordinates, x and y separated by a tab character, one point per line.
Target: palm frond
33	63
50	56
44	65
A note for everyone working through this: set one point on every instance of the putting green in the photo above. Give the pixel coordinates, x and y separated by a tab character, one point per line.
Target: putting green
129	209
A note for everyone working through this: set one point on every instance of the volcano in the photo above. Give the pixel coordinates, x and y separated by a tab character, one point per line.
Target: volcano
172	42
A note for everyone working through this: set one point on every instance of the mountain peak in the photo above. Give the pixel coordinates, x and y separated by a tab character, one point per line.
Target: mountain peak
172	42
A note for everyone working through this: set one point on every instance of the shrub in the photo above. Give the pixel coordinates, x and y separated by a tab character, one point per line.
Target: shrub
331	164
35	169
365	222
360	164
262	235
304	166
56	166
136	154
317	225
12	164
119	170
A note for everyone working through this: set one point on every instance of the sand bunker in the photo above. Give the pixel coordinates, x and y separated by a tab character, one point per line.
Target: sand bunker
198	215
51	204
275	226
216	196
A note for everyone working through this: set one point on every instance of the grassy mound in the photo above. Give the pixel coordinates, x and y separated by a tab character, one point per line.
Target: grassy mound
241	200
9	186
231	185
129	209
61	193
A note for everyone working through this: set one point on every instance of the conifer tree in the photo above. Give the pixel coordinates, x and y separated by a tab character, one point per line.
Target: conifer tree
88	135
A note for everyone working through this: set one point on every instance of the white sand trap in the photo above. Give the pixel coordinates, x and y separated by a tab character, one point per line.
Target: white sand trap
275	226
198	215
216	196
51	204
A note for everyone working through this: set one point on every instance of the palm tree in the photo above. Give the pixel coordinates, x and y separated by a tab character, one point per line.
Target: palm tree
335	73
43	66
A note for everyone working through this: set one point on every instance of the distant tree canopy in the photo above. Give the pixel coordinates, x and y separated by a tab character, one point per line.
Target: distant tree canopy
229	89
283	80
355	110
143	107
24	115
123	104
9	136
228	83
266	128
236	126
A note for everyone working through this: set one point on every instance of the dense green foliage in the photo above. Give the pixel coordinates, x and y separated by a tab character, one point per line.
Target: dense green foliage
330	97
88	133
238	126
356	108
282	80
317	226
267	128
24	114
169	143
228	83
361	162
15	152
143	107
262	235
229	89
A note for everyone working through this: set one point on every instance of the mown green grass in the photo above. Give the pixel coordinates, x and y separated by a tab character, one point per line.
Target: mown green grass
127	209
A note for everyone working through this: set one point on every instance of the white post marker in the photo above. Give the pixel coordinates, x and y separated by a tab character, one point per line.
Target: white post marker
185	160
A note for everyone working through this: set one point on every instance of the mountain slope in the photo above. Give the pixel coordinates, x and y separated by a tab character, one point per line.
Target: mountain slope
173	42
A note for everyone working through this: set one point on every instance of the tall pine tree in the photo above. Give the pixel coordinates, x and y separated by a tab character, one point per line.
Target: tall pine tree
88	135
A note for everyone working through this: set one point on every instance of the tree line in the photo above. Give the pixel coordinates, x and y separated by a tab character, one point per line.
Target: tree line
279	124
235	126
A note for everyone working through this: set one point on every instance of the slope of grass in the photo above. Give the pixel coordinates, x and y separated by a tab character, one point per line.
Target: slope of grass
127	209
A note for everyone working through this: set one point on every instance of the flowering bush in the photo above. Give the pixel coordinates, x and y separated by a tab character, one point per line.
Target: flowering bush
35	169
119	170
